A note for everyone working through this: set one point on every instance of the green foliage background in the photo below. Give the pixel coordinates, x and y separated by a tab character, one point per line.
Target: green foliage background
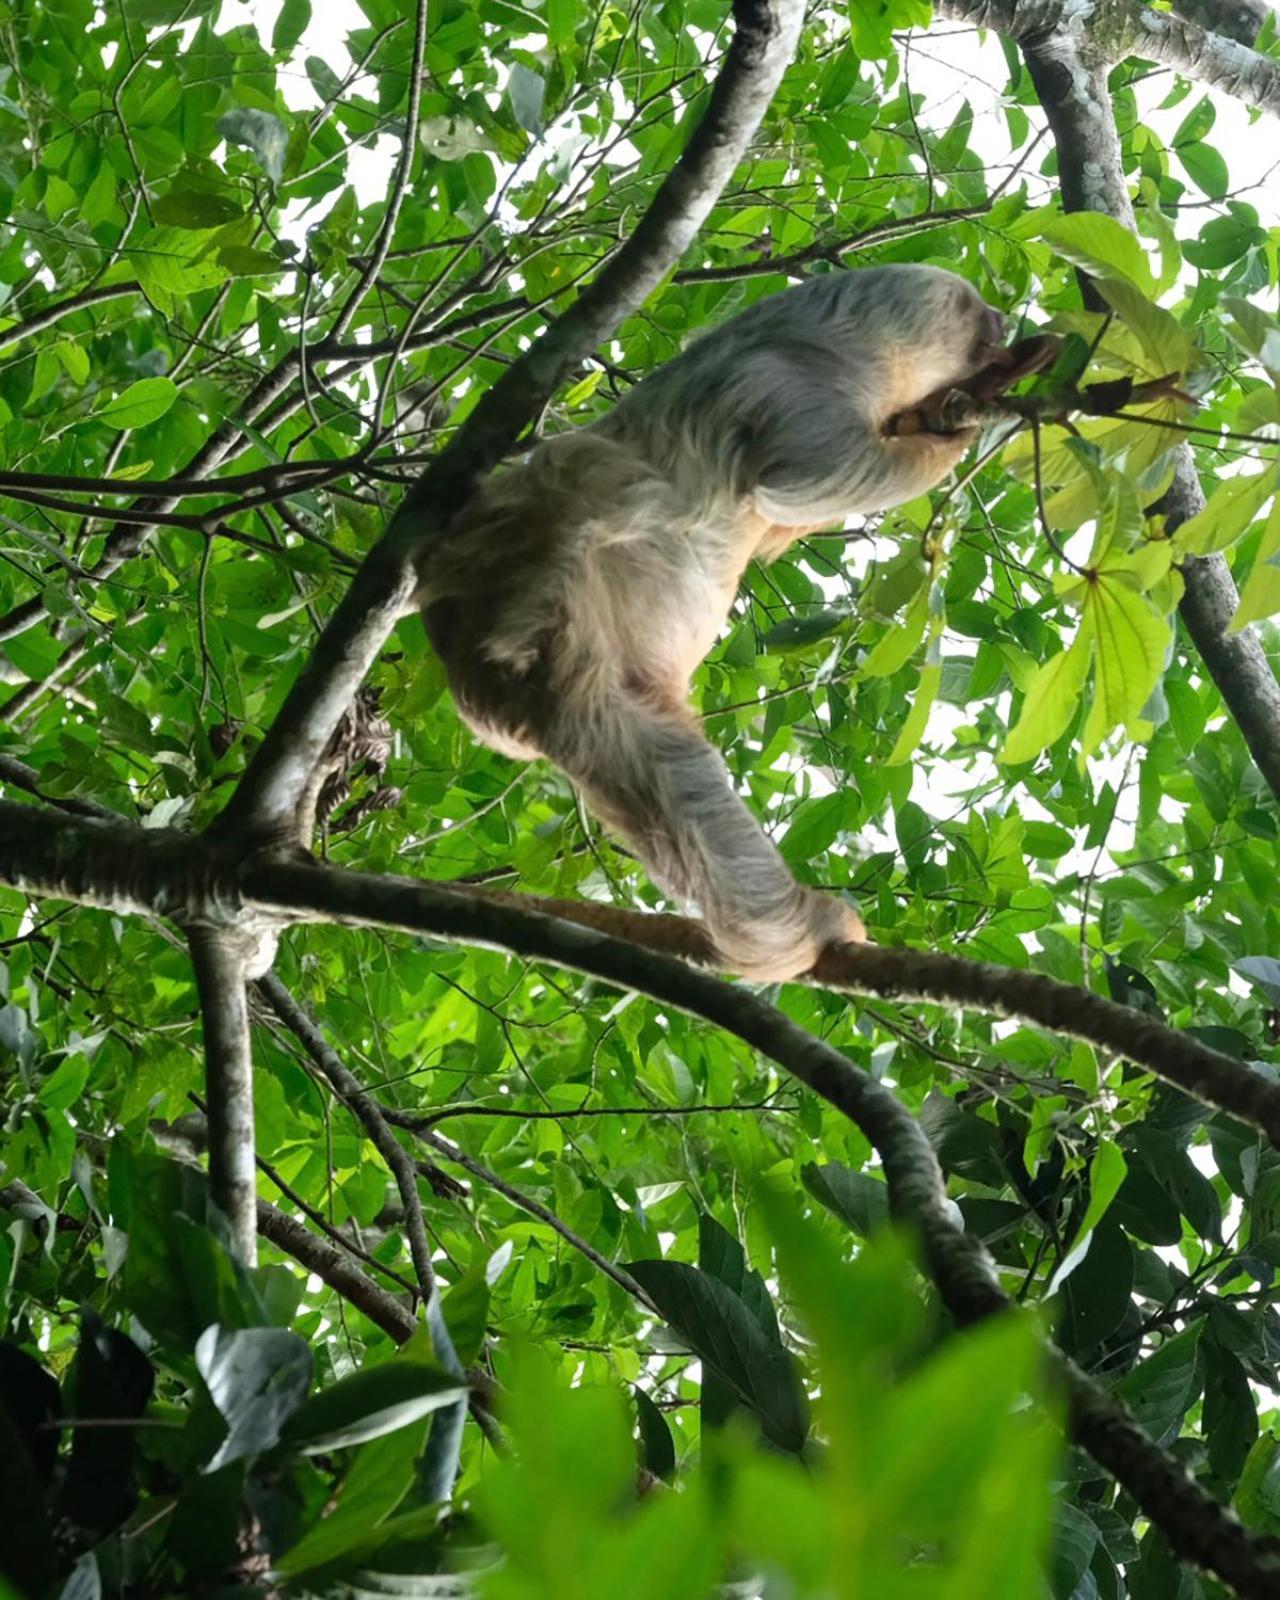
175	234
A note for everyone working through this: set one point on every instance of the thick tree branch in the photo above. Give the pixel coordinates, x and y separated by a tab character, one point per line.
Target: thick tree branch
336	1269
1240	20
48	315
120	867
1071	83
265	802
35	842
218	959
1110	30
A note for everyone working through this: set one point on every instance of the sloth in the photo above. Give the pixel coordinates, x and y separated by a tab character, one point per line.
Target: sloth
573	596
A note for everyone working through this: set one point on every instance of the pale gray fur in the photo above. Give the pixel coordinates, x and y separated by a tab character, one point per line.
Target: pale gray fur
575	594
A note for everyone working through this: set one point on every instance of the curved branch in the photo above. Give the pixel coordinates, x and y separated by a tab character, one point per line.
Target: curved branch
365	1109
39	849
1198	1528
120	867
38	321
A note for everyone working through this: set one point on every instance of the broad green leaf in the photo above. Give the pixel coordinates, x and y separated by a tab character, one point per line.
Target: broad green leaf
795	633
196	208
1131	642
65	1084
1101	245
1107	1172
371	1402
381	1474
526	89
141	403
1206	168
1226	515
1051	702
1162	1389
74	359
859	1200
324	80
291	24
900	643
816	824
1256	332
583	389
730	1339
1169	346
172	264
257	1378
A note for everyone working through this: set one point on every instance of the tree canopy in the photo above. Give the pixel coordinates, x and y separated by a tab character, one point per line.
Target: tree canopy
531	1256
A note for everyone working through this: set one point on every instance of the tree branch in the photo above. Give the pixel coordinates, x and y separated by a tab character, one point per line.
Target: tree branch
218	959
535	1208
1071	83
266	800
336	1269
366	1111
1110	30
121	867
33	842
445	1439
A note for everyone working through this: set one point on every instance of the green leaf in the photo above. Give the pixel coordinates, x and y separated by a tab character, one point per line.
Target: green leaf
900	643
1107	1171
172	264
242	261
581	391
859	1200
526	90
291	24
195	208
912	730
324	80
1132	640
658	1447
1230	1413
1206	168
1095	1284
816	824
724	1334
1170	348
1257	333
1260	596
371	1402
1227	514
1101	245
257	1378
381	1474
1164	1387
141	403
74	359
65	1084
1050	703
796	633
1258	1493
